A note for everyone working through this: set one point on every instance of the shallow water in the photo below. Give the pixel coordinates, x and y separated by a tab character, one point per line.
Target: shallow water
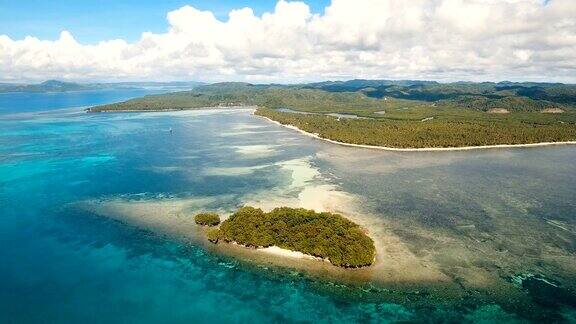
499	225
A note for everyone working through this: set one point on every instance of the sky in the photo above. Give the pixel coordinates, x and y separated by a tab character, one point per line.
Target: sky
287	41
123	19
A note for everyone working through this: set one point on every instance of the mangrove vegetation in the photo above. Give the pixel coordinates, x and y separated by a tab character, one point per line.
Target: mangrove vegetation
207	219
324	235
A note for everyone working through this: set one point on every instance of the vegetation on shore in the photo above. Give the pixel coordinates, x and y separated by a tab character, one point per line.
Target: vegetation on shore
434	133
324	235
213	235
400	114
207	219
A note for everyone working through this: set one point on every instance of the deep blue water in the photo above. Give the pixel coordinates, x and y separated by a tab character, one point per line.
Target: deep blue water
16	102
65	264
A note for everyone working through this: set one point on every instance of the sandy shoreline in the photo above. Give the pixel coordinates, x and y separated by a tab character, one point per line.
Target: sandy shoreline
423	149
133	111
172	217
288	253
89	109
375	147
275	251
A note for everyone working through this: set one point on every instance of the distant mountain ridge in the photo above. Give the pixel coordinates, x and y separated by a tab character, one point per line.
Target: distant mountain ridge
479	96
483	96
63	86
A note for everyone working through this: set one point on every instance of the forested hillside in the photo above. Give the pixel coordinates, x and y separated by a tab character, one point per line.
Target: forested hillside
361	96
478	96
439	133
464	115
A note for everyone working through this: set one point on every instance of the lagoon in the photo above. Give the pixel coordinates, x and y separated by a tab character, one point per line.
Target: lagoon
466	235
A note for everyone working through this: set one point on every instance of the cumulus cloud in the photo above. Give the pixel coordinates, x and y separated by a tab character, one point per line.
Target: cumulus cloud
419	39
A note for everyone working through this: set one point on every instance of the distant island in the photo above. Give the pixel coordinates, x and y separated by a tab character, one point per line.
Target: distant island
326	236
63	86
395	114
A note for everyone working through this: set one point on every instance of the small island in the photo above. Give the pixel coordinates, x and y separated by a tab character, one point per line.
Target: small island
327	236
207	219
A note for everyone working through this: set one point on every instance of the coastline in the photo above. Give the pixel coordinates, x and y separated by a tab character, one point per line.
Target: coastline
277	251
421	149
288	253
365	146
90	111
283	253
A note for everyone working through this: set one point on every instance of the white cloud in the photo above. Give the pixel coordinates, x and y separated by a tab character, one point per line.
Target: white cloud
422	39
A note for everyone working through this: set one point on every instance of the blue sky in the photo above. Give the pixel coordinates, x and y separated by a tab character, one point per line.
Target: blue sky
91	21
445	40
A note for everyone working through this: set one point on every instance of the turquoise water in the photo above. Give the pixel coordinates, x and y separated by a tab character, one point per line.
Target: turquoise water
506	215
18	102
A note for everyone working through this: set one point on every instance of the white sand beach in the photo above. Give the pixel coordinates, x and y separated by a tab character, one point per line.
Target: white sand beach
288	253
423	149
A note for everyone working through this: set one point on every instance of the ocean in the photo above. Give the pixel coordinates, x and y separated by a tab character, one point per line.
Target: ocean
475	236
